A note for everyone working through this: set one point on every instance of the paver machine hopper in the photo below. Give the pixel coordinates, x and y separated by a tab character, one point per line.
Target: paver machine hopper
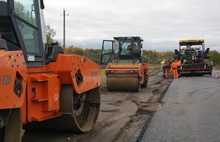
40	87
125	70
192	55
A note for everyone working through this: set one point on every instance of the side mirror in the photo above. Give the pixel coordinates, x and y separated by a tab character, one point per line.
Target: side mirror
141	45
52	52
3	44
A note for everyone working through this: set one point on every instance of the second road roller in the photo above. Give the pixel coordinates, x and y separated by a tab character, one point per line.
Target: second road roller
125	70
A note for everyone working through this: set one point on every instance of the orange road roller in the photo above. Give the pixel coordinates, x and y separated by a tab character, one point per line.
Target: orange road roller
125	70
41	88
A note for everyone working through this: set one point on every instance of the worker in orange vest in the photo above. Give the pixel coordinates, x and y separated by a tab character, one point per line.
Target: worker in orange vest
167	70
130	47
175	66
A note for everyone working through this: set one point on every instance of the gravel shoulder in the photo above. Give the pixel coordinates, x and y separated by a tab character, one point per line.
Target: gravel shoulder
122	114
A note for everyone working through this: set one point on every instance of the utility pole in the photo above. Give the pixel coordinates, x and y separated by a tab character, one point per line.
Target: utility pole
64	29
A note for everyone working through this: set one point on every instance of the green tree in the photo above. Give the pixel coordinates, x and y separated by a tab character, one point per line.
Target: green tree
50	33
74	50
215	57
154	57
93	54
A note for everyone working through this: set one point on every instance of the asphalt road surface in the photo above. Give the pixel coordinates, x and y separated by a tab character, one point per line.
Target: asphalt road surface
190	113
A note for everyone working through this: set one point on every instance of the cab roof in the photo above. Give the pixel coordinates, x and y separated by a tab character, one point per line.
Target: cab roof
192	42
128	37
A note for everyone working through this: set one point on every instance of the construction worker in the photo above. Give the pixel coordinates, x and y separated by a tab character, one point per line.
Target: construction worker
167	70
175	68
165	67
130	47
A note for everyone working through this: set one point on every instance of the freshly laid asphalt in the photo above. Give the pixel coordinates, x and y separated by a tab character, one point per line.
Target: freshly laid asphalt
190	112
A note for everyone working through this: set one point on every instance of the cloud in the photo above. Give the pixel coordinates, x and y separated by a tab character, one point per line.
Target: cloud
160	23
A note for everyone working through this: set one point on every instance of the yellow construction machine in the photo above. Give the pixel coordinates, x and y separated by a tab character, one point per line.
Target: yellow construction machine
192	55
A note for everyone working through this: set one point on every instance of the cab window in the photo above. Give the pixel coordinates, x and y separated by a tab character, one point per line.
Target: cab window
6	29
25	11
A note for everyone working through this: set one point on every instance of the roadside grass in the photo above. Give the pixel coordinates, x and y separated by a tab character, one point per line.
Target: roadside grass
153	69
216	67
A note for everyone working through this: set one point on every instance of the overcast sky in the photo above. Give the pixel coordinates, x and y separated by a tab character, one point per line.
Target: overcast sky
161	23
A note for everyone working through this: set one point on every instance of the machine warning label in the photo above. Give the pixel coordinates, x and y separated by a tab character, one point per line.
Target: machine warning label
5	79
94	73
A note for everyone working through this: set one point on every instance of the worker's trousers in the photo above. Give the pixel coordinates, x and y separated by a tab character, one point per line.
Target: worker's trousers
175	73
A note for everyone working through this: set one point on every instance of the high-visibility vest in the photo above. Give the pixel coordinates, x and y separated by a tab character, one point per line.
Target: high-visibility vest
163	63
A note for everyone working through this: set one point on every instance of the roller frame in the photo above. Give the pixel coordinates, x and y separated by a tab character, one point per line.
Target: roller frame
81	120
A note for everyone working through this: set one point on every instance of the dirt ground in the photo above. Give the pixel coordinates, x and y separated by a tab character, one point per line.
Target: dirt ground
123	114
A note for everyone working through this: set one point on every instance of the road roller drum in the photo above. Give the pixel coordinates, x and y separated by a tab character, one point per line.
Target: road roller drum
123	83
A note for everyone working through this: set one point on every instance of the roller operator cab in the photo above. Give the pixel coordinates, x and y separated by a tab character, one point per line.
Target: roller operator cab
125	70
193	55
40	87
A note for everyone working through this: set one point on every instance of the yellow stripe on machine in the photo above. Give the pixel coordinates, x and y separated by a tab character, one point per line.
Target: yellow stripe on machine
196	40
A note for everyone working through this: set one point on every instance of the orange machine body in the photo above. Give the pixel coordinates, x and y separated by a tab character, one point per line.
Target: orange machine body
12	66
40	98
126	70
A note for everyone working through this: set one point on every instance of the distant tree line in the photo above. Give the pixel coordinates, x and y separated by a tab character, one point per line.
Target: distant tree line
154	57
93	54
214	57
150	56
